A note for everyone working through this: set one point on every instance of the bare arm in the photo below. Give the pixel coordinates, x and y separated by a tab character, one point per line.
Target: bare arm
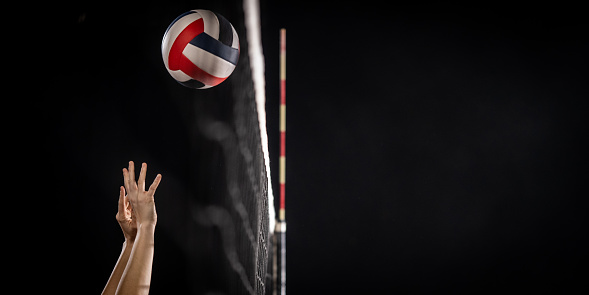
126	220
136	278
117	273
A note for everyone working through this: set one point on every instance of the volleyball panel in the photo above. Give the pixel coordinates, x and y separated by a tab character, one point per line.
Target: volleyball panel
208	62
175	28
210	21
201	45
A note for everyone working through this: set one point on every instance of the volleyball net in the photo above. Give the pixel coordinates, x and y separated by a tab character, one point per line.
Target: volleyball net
232	212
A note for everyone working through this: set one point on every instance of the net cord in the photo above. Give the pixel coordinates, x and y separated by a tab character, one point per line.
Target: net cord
254	37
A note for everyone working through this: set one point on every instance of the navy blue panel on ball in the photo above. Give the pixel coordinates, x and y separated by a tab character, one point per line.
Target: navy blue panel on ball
192	84
212	45
225	30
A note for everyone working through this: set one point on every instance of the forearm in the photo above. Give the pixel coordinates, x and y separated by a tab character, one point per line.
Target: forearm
115	277
136	278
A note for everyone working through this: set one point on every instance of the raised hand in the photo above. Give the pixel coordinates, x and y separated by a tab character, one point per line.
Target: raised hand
137	217
126	217
142	201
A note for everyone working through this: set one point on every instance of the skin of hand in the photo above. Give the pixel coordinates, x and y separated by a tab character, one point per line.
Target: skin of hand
137	217
142	201
126	217
136	278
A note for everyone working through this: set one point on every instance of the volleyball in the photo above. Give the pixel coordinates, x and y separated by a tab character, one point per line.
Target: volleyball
200	49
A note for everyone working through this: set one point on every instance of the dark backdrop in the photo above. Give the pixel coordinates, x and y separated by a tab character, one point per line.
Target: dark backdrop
431	149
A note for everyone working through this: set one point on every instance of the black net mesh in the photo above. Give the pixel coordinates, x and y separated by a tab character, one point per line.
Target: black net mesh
231	188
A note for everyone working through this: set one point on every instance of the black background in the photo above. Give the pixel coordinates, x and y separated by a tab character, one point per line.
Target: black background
431	149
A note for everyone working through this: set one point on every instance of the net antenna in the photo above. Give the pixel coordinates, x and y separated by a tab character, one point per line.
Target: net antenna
280	231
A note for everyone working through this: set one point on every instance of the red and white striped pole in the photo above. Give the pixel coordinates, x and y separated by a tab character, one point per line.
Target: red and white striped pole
281	224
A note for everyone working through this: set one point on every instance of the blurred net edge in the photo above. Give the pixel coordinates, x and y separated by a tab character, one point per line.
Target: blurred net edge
239	202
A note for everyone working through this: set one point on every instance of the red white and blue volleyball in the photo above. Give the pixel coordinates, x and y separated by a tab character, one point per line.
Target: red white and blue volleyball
200	49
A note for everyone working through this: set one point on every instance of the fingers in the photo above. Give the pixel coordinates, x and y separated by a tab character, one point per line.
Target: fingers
123	195
121	198
141	181
129	179
155	184
121	201
126	178
131	173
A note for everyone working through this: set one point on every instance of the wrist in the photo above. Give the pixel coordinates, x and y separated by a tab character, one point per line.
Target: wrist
146	226
128	244
131	238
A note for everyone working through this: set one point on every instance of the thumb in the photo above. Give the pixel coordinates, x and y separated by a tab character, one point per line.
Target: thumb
155	184
121	201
